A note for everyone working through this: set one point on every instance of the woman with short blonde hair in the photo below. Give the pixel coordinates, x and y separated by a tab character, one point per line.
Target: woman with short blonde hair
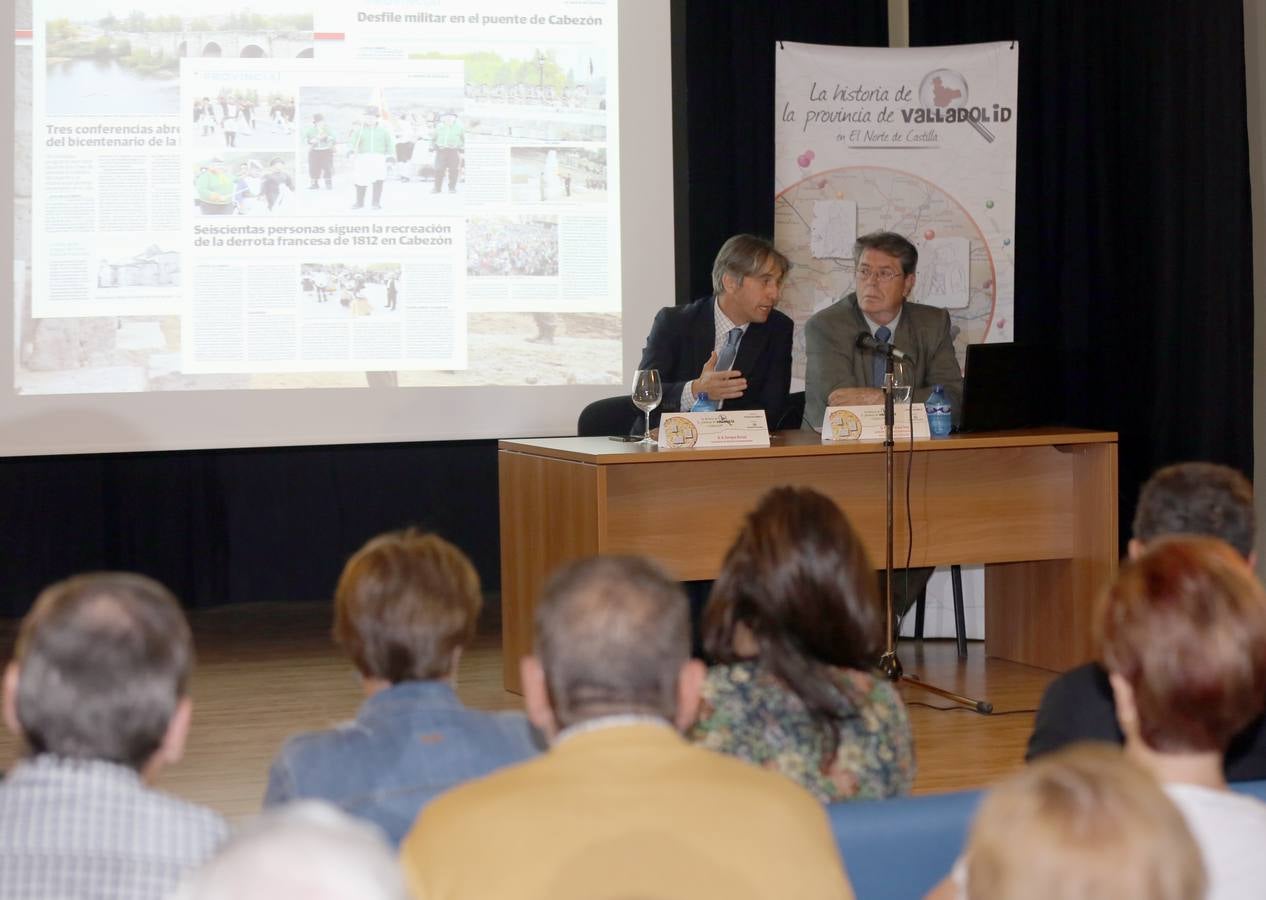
1081	824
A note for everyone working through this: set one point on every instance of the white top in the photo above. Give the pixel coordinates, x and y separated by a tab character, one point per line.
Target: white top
1230	829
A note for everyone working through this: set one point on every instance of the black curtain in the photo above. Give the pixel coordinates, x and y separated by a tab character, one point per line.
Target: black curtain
725	108
234	526
1133	229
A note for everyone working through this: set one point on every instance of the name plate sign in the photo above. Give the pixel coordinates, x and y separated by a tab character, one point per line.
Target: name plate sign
866	423
706	430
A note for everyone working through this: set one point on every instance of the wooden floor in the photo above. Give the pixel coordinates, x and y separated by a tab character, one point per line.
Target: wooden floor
268	670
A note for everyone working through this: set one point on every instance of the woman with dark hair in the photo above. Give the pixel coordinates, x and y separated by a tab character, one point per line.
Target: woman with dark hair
795	627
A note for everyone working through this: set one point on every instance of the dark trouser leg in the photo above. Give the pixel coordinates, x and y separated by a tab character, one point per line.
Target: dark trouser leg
447	160
697	593
377	193
360	195
907	586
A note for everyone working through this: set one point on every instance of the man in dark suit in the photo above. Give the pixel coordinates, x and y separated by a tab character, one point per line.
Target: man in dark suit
734	346
1188	498
839	373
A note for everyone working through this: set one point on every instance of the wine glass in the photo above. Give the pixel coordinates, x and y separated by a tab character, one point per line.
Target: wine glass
647	392
901	382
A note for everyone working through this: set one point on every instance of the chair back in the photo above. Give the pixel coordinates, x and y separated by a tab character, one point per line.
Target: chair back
792	415
905	846
1250	788
902	847
610	416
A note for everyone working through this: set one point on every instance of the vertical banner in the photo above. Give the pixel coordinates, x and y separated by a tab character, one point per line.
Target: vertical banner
918	141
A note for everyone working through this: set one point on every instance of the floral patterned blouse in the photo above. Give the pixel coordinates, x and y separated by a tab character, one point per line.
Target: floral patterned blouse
748	713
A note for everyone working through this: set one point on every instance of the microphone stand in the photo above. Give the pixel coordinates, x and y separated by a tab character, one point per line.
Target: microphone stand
889	664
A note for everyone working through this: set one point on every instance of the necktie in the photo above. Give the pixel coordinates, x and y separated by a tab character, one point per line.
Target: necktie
725	359
877	365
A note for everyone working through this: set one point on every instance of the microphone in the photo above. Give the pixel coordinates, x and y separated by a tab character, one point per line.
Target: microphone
865	341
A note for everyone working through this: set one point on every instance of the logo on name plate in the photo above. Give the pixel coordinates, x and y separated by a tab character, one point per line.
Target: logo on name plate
679	433
844	425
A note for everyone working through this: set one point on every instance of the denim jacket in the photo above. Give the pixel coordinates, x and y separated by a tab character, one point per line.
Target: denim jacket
407	744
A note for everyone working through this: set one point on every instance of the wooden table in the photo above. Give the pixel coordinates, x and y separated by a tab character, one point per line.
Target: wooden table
1037	506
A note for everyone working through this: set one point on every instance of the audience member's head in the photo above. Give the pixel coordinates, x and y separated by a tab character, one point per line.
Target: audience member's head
612	637
1183	635
1196	498
310	850
1081	824
405	606
745	255
100	672
796	590
798	580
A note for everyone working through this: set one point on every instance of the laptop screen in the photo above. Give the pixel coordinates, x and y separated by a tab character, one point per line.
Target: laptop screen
1000	383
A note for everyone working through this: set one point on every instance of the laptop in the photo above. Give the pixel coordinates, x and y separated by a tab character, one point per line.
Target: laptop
1003	387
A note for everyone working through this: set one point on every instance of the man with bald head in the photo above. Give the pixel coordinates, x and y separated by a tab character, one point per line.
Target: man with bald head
621	805
98	693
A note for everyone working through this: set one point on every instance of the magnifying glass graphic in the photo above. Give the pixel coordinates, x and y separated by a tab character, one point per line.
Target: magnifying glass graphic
946	89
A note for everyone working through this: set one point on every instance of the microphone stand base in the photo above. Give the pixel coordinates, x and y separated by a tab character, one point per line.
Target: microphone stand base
984	707
890	665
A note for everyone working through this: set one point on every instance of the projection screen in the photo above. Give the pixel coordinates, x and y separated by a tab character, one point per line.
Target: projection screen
330	222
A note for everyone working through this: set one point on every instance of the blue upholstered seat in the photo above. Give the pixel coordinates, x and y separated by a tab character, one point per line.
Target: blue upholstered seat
902	848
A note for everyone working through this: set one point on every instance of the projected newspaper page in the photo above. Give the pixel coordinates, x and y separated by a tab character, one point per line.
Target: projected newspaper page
289	196
337	257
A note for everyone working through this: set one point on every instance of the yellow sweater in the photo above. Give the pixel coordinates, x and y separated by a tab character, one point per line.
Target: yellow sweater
628	811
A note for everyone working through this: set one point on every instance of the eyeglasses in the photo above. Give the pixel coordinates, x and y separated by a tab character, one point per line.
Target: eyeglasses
883	276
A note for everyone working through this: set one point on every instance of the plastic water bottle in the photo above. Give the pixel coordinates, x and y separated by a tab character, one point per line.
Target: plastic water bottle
938	407
704	403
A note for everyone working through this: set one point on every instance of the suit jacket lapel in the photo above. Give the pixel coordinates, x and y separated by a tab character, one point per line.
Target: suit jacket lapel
703	335
861	358
906	341
751	347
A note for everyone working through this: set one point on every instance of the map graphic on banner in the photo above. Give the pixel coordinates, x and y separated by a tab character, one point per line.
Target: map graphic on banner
917	141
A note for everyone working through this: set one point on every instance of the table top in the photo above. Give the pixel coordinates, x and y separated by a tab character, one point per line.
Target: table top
607	451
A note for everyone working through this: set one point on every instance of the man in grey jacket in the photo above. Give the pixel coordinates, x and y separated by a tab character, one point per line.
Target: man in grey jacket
839	373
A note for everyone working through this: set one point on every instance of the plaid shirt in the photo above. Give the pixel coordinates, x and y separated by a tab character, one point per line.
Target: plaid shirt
92	829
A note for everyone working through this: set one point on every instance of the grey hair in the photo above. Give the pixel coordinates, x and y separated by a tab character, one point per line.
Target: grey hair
743	255
308	849
612	633
103	662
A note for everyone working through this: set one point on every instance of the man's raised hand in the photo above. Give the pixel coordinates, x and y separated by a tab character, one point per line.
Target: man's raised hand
727	385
